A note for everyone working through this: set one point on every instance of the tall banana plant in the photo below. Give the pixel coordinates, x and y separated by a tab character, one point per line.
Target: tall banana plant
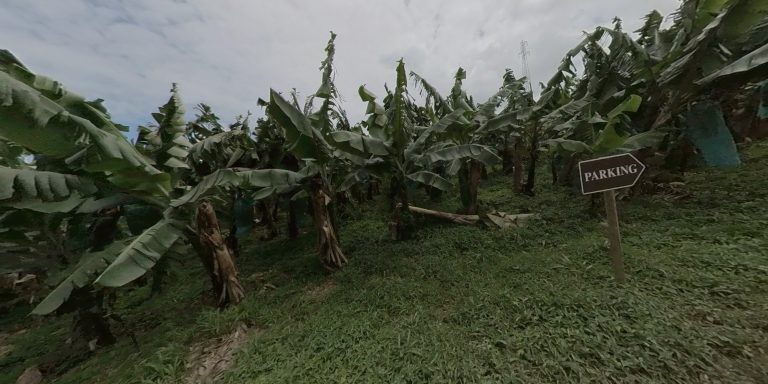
307	134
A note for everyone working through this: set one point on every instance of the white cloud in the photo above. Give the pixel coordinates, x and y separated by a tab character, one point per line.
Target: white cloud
228	53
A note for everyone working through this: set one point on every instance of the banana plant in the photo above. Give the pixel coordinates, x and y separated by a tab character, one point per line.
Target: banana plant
307	134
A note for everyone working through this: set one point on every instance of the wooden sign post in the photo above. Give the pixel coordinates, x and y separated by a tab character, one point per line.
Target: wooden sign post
606	174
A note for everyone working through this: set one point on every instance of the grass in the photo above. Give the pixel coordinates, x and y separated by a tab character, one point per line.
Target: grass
467	304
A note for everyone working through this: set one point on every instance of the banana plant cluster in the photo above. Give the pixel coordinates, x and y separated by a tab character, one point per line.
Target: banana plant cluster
633	90
473	130
85	167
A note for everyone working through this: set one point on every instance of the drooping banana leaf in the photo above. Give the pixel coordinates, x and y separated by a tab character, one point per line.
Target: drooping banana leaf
496	123
417	146
478	152
571	146
304	141
752	66
358	144
608	139
38	114
740	21
440	104
221	146
90	266
696	53
356	177
141	254
640	141
431	179
706	128
47	186
228	178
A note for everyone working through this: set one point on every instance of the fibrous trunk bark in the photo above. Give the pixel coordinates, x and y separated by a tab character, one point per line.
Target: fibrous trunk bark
268	218
217	257
328	248
473	182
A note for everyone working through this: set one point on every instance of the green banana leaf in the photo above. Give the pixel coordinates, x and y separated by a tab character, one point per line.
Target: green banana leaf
478	152
90	265
141	254
47	186
431	179
38	114
229	178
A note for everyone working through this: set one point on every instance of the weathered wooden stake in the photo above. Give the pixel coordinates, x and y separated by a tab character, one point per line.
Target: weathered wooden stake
614	236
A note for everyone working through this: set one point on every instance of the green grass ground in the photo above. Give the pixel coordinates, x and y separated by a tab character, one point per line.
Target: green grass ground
467	304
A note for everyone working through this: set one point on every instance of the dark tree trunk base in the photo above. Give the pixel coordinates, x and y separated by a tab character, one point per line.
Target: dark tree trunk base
329	250
217	257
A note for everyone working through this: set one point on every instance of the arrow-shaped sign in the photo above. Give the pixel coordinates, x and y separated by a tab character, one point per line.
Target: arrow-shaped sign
608	173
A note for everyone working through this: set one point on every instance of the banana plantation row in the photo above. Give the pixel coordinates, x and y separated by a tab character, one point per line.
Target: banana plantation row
69	177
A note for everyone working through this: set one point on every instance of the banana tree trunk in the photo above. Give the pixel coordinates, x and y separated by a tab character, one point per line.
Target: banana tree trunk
469	180
329	250
534	155
517	168
436	193
217	257
507	154
400	224
268	218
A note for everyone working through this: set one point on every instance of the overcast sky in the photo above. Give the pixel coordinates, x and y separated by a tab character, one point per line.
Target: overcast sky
228	53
